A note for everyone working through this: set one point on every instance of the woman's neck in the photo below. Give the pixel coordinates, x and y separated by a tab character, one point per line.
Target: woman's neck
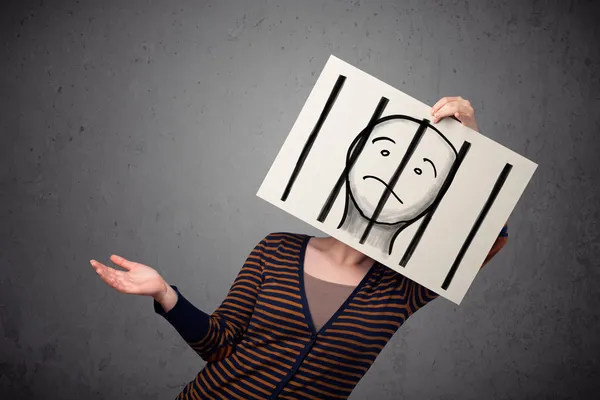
342	254
328	259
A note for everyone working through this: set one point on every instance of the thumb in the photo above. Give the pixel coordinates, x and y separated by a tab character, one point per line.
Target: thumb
121	262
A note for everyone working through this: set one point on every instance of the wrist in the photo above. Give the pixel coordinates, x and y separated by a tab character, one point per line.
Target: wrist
168	299
160	295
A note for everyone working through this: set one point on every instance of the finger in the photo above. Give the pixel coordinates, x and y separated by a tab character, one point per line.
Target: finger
97	266
442	102
101	268
103	271
446	110
111	276
117	281
121	262
460	109
114	280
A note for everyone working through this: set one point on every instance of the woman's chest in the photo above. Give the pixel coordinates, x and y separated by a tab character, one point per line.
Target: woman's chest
289	305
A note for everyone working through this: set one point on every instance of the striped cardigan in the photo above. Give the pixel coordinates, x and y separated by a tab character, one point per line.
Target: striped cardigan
261	343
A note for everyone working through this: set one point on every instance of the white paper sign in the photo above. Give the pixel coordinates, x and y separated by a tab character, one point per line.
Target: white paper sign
364	164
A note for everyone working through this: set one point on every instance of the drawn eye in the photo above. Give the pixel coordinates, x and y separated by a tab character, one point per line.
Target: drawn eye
385	153
418	171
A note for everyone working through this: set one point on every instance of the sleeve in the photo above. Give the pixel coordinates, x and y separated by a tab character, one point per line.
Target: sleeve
498	245
215	336
419	296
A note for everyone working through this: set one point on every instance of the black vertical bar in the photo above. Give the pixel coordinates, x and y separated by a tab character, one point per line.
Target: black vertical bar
355	153
386	193
313	135
447	182
484	211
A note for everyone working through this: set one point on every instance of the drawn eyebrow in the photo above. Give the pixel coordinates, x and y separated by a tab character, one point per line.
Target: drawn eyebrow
431	162
383	138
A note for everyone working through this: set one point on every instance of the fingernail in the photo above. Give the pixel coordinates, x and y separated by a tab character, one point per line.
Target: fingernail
92	262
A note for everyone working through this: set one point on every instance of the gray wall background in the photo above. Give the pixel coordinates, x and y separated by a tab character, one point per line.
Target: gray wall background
144	128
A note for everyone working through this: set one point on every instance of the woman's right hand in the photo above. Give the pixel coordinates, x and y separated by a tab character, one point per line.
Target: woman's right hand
138	279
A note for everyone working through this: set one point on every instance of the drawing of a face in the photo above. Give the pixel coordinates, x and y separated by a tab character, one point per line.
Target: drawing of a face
417	185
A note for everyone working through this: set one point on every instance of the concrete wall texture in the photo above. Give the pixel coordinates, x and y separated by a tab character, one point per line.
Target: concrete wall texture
144	128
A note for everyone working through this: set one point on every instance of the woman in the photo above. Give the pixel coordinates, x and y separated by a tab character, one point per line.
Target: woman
304	319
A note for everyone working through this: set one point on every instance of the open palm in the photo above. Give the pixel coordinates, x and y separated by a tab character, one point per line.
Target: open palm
137	279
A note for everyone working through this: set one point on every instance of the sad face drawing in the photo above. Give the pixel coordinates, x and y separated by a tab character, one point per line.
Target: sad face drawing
394	174
388	182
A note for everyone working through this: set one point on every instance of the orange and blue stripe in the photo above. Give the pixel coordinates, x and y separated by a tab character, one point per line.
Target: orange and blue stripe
261	343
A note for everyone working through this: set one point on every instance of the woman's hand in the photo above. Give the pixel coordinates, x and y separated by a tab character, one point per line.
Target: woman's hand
457	107
138	279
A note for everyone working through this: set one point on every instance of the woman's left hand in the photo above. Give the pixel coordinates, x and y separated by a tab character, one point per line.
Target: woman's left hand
457	107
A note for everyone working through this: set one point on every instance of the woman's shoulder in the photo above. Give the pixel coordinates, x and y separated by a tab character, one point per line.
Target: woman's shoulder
282	248
290	239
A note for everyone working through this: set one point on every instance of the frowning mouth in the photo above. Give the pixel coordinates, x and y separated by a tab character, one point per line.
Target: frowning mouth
384	184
